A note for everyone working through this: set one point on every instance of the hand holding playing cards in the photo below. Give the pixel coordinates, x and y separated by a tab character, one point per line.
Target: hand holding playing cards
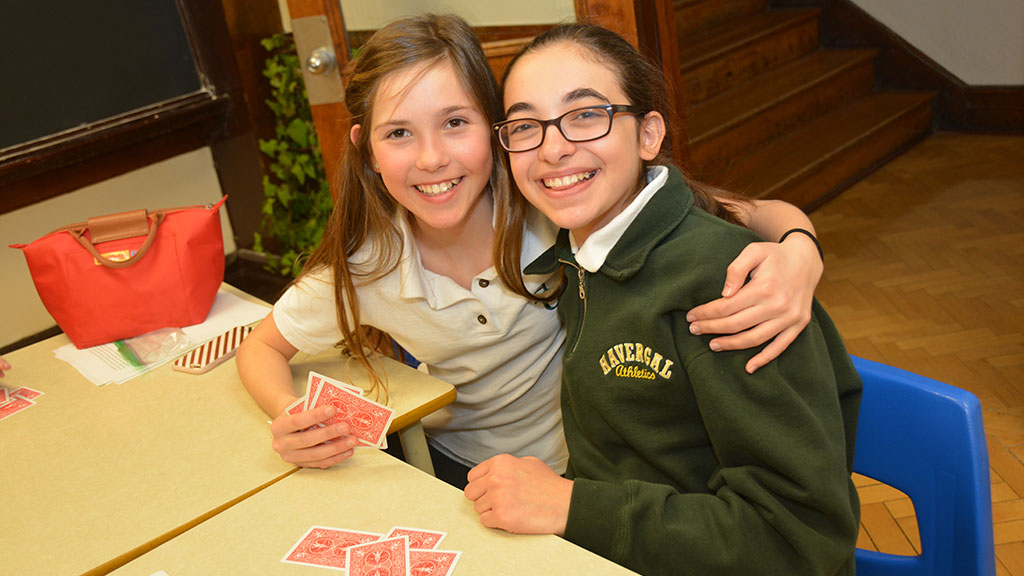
3	366
519	495
299	440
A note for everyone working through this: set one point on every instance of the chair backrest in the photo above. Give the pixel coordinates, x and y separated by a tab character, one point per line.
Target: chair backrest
925	438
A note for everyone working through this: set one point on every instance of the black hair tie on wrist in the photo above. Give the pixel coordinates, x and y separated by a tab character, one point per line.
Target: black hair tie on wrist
809	235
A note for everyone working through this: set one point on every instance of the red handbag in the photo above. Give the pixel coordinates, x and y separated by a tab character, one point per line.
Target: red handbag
127	274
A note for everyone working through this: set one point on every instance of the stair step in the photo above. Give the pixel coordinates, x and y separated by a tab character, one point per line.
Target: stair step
774	102
737	50
804	166
693	16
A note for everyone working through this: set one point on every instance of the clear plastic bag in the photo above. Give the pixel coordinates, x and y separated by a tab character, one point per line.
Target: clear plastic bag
153	348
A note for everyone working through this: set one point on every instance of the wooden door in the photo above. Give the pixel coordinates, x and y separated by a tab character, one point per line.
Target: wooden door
331	118
657	38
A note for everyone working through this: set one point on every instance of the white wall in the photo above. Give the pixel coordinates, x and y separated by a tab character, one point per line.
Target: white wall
363	15
981	42
180	181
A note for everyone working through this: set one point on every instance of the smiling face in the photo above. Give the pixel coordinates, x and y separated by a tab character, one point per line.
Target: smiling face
431	146
578	185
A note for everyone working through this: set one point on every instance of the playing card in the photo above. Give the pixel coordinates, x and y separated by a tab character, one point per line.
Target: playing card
26	393
14	405
386	557
297	406
324	546
432	562
208	356
4	395
315	380
419	539
312	387
367	420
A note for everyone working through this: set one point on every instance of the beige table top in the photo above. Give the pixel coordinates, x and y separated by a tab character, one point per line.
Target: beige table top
95	476
369	492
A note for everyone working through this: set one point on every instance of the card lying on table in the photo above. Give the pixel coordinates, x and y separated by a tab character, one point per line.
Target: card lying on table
14	401
403	551
419	538
433	562
386	556
324	546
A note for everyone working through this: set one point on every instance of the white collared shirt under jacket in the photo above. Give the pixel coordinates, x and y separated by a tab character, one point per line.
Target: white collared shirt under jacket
502	353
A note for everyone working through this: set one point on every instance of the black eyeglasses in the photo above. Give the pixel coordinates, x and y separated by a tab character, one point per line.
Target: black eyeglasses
579	125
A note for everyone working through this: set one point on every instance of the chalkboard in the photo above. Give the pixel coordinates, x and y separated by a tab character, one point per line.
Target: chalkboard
67	63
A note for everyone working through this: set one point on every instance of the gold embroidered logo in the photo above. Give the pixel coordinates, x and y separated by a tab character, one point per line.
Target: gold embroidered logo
648	364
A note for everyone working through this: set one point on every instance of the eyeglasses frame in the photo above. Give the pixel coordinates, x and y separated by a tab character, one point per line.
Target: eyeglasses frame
610	109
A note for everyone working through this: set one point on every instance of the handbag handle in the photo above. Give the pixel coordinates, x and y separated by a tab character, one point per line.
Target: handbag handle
79	234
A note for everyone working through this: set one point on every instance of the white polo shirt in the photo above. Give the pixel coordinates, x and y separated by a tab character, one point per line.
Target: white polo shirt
502	353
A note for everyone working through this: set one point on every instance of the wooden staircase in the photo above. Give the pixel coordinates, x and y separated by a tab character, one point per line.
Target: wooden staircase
772	114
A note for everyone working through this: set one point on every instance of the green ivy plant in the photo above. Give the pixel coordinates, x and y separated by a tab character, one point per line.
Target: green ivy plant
297	194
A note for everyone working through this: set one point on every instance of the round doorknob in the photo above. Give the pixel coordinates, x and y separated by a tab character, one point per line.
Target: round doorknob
321	61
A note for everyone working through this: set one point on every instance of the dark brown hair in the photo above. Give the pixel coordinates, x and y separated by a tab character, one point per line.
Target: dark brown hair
644	85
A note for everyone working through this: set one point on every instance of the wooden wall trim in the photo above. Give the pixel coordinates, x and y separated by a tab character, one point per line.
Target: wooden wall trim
901	66
52	166
486	34
656	31
616	15
236	152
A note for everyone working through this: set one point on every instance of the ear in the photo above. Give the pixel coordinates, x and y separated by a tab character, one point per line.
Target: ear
652	134
353	135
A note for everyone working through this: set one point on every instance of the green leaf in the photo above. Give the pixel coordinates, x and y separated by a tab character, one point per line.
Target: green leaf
299	173
297	195
298	131
268	147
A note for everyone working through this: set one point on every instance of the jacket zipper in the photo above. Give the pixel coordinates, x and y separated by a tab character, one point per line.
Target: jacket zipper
581	274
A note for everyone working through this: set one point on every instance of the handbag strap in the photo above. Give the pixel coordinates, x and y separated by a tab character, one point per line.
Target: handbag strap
79	234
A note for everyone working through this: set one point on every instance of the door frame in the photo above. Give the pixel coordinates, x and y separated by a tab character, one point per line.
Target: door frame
655	35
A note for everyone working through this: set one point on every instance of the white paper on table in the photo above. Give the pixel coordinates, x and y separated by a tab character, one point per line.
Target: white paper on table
227	312
104	364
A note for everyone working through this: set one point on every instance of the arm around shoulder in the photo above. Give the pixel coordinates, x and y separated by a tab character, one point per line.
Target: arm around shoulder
775	304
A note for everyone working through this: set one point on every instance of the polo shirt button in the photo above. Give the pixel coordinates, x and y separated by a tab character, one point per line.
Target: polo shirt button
481	319
484	283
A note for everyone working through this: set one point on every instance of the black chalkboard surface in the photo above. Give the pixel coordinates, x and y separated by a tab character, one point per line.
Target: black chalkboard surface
65	63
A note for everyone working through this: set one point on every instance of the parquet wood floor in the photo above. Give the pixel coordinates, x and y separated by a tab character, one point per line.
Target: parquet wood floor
924	270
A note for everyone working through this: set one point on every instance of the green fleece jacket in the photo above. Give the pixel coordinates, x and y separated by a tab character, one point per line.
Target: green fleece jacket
682	462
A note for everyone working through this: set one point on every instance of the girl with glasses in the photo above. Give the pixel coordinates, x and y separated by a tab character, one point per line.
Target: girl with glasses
680	462
426	244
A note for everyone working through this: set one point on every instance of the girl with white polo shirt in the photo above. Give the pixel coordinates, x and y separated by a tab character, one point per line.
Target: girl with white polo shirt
421	246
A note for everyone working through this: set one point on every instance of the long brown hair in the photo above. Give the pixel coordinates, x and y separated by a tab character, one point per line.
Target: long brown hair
364	211
644	85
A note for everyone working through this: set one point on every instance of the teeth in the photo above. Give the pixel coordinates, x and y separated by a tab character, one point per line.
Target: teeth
435	189
565	181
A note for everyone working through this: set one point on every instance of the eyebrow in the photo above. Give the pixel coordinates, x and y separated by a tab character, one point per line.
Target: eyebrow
572	96
401	122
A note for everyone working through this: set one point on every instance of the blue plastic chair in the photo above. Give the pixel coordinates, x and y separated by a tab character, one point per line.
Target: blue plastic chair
926	439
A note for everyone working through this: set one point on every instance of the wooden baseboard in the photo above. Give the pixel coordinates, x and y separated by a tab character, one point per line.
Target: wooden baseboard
900	66
28	340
